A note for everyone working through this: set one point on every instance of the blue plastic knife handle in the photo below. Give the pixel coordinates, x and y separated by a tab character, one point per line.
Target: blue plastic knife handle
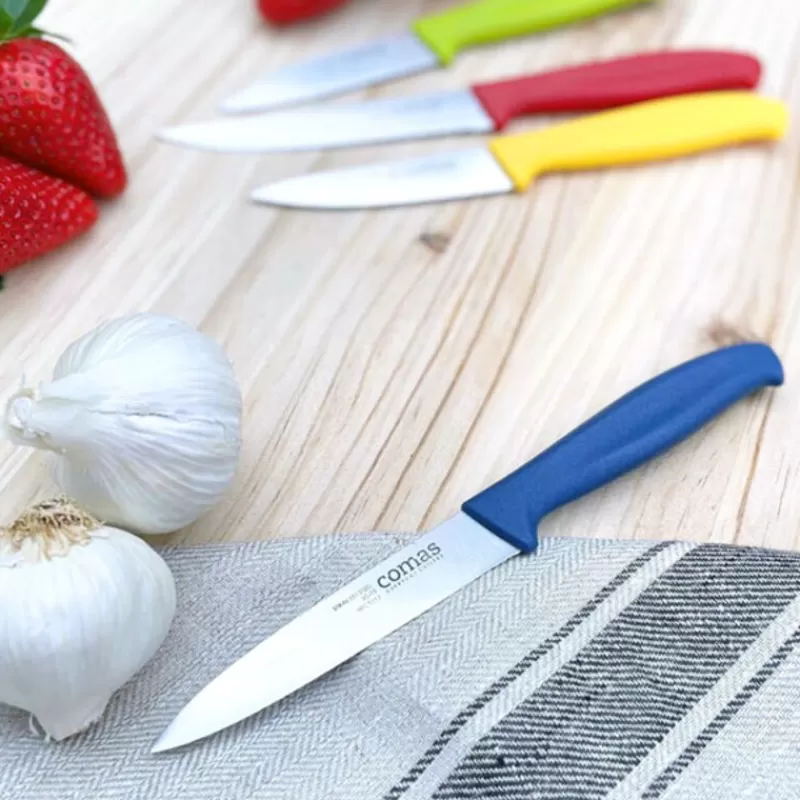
632	430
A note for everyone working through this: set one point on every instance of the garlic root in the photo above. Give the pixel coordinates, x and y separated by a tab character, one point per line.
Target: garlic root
60	724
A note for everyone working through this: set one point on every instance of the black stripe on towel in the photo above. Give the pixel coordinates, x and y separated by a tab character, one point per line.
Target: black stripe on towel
668	776
595	719
518	669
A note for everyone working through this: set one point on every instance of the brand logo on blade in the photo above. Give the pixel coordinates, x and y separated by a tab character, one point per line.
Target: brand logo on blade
423	166
410	566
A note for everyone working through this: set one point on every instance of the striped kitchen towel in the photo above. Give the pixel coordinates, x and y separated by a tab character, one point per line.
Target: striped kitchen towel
595	669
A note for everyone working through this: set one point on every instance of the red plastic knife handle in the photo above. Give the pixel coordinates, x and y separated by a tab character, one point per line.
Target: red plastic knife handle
285	12
618	82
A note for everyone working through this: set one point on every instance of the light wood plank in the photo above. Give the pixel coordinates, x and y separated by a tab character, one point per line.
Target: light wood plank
395	362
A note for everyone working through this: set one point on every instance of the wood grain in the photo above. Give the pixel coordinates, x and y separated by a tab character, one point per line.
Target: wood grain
396	362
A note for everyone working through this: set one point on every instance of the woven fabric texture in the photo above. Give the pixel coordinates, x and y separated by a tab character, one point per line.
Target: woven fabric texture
594	669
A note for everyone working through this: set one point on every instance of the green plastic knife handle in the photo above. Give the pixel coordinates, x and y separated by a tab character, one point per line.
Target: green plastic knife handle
489	21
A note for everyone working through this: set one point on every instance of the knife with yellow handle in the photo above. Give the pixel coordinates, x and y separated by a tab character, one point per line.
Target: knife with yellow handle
651	131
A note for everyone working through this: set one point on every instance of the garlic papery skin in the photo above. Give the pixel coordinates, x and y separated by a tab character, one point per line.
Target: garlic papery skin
143	417
83	607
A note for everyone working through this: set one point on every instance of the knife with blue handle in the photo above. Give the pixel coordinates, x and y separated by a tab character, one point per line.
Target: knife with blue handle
499	523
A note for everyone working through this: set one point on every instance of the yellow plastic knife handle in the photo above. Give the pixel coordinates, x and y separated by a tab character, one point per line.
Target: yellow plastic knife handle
488	21
651	131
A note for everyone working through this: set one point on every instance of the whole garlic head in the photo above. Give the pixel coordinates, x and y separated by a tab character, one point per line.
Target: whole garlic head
84	608
144	416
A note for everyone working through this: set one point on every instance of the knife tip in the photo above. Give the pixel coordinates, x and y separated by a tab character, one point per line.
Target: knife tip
162	744
260	97
271	195
175	136
167	135
168	741
244	102
230	105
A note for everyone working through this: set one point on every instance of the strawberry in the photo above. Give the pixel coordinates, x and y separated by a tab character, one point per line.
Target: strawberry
38	213
286	12
50	115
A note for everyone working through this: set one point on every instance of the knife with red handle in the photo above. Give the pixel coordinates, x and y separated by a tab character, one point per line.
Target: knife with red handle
286	12
617	82
482	108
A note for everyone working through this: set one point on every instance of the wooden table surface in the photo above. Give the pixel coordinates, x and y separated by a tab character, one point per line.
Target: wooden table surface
396	362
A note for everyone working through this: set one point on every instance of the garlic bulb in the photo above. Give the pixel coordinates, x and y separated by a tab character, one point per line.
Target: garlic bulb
144	416
84	607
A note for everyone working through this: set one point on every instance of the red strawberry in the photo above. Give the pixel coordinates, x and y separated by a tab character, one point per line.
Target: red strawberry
285	12
38	213
50	114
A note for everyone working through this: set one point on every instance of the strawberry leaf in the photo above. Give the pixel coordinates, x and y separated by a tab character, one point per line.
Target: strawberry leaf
33	32
14	7
28	11
6	24
17	16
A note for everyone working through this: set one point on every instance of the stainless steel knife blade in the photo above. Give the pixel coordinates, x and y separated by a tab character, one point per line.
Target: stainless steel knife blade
342	125
369	608
336	73
437	178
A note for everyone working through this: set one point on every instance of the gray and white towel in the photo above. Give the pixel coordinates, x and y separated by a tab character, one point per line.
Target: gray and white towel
594	669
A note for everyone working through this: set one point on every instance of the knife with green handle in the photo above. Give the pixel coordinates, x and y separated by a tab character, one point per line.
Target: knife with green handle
650	131
433	41
488	22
